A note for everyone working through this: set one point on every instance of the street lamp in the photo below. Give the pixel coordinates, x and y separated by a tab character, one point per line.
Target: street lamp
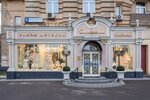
119	53
66	53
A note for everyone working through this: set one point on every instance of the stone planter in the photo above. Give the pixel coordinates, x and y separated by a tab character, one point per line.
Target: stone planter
120	74
66	75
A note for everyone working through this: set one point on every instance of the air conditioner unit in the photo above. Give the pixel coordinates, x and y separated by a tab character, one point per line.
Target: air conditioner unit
89	15
51	16
119	18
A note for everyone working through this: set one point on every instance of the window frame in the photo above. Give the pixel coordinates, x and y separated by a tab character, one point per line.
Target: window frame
139	8
88	8
52	4
120	9
17	20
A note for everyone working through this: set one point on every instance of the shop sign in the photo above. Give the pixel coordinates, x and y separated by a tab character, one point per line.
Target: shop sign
41	35
123	35
81	31
119	35
98	29
33	20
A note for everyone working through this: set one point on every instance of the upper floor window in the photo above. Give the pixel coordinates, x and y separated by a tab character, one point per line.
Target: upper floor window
140	7
88	6
118	10
52	6
17	20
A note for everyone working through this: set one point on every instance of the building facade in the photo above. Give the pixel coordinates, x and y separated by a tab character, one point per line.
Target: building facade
99	34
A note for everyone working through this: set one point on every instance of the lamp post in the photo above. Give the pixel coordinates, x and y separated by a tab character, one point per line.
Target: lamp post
66	53
119	53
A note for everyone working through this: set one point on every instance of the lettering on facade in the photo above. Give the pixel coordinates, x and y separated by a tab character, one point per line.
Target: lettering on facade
123	35
81	31
41	35
98	29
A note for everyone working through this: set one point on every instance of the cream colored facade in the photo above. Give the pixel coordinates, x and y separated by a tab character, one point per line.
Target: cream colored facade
127	28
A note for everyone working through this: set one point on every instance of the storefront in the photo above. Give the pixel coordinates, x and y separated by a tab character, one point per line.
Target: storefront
36	52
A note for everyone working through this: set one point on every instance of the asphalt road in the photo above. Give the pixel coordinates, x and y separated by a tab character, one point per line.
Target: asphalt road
133	90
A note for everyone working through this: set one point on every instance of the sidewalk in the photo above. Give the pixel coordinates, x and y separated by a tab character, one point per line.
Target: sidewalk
3	78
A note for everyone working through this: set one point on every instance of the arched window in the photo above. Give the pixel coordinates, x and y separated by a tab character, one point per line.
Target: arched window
91	47
140	8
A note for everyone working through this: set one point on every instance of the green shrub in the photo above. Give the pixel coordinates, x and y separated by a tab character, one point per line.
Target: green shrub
66	68
114	67
120	68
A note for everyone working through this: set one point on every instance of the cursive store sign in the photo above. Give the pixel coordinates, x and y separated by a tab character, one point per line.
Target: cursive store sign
98	29
41	35
81	31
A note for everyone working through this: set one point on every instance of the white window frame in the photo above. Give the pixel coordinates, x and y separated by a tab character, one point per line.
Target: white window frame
118	10
17	20
89	8
54	6
140	9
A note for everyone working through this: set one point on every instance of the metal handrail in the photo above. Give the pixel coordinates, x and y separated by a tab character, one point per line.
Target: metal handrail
76	73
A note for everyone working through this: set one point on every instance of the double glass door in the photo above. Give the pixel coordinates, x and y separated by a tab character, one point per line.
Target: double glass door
91	62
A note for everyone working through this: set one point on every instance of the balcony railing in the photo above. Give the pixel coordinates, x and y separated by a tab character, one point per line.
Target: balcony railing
144	19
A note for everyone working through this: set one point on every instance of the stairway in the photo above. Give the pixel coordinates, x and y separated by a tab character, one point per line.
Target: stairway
93	82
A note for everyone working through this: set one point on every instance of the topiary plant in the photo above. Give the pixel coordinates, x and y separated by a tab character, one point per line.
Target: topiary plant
114	67
66	68
120	68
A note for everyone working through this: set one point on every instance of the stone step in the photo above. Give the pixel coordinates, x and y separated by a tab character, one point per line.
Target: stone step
93	80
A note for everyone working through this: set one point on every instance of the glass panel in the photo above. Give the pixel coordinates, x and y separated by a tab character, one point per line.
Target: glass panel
92	7
56	7
49	6
86	63
94	63
17	20
40	57
123	55
85	7
91	47
140	7
118	10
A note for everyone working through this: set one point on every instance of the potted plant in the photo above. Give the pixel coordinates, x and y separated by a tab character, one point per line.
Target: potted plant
66	72
120	71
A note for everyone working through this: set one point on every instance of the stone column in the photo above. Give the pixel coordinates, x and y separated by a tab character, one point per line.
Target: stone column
138	69
71	57
12	56
109	55
138	57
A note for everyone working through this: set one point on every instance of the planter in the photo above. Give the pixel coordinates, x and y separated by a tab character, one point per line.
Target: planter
66	75
120	74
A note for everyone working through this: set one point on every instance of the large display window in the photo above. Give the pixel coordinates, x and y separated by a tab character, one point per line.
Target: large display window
123	55
40	57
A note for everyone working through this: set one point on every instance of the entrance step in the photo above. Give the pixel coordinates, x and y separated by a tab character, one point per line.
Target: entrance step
93	80
100	82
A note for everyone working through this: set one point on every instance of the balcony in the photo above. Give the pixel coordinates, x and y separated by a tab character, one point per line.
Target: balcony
144	19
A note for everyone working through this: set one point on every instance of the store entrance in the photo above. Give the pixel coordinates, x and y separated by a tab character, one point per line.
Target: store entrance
91	59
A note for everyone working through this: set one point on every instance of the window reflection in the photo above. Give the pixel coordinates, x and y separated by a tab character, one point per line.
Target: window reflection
126	55
40	57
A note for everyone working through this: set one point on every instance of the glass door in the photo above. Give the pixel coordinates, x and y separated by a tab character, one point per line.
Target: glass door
95	63
87	63
91	64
